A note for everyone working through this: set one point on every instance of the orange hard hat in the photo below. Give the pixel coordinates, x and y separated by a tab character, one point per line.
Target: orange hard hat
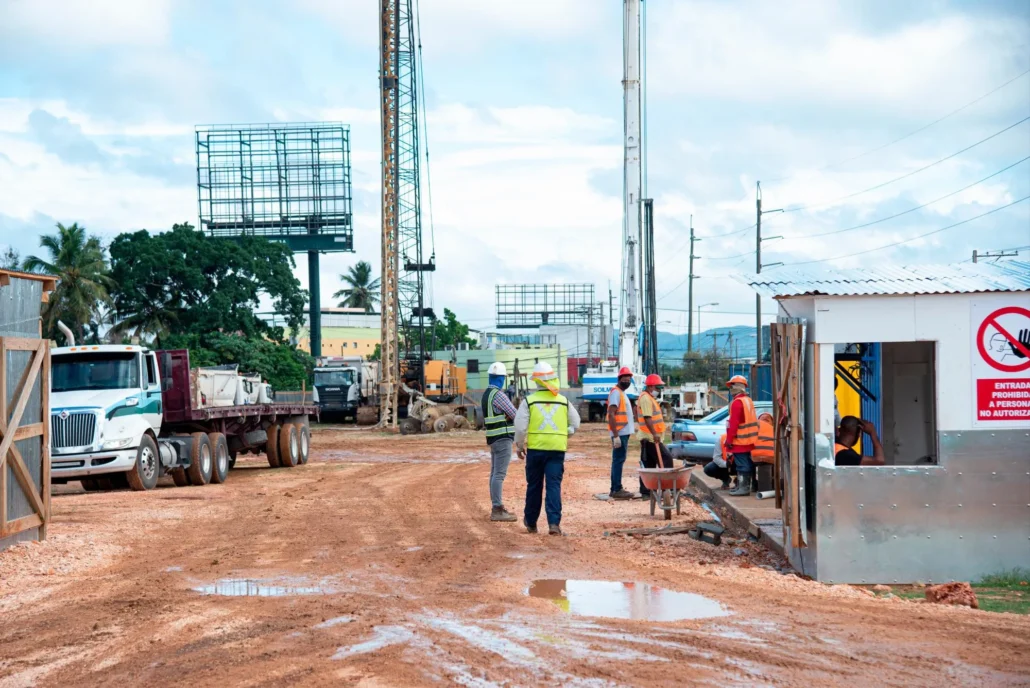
653	379
624	371
737	380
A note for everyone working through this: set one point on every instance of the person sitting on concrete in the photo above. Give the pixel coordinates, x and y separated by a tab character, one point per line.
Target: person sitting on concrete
499	414
652	429
620	427
542	427
741	434
717	467
848	434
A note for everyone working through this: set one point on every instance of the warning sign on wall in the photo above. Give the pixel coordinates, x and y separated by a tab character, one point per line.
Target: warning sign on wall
1001	363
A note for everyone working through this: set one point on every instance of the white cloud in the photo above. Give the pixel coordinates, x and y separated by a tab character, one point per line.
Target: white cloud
71	25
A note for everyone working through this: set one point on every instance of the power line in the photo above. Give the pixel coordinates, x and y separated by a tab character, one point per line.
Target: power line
920	129
907	175
905	241
910	210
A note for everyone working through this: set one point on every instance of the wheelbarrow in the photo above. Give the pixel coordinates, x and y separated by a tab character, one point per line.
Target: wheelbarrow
667	486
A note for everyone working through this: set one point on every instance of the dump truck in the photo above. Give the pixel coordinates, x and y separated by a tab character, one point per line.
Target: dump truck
124	416
347	387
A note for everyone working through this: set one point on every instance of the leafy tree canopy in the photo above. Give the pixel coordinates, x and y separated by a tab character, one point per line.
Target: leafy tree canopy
361	291
449	332
184	282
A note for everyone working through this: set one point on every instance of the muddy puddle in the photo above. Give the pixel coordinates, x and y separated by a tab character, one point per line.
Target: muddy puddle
616	600
268	587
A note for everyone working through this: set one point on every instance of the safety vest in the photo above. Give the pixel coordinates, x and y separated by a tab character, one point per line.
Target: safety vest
722	446
621	415
498	427
548	422
765	447
747	432
838	448
657	420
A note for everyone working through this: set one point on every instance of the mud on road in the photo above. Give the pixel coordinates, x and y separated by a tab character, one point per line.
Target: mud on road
376	565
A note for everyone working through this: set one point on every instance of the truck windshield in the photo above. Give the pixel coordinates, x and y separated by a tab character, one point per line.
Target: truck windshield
334	377
99	370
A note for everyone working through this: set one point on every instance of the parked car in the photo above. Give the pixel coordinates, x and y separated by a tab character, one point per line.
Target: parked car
696	439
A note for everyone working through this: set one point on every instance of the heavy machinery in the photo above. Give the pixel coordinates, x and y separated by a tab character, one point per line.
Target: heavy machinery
347	387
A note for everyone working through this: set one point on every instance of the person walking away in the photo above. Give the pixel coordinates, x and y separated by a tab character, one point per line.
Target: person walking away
499	414
620	427
718	467
544	421
652	429
848	434
741	434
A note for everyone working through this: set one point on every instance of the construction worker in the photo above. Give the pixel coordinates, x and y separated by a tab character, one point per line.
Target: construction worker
719	467
848	434
765	445
620	427
652	428
499	414
741	434
542	427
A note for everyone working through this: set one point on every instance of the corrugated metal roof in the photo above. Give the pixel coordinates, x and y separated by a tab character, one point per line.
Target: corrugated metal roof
962	278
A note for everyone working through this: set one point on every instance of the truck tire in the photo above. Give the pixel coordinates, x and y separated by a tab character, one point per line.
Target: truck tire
289	452
179	477
272	445
200	459
143	476
303	442
90	485
220	458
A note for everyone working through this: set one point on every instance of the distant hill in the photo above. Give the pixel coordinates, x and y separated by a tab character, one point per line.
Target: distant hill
738	341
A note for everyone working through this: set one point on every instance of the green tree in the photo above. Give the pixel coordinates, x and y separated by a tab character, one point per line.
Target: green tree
705	366
450	332
83	282
186	282
362	291
9	259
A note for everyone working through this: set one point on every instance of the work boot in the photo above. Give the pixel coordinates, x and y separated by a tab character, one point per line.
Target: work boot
725	484
621	494
743	488
553	530
529	529
499	513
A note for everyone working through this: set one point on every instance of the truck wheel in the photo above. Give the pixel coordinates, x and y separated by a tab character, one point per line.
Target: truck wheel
179	477
220	458
200	460
143	476
272	445
303	442
90	485
289	451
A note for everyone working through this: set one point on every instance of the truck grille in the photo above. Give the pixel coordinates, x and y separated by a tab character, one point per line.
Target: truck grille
76	430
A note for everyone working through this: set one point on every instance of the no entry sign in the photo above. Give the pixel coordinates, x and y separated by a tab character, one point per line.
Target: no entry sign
1001	363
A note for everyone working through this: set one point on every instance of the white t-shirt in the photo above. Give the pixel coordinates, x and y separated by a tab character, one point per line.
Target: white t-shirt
613	400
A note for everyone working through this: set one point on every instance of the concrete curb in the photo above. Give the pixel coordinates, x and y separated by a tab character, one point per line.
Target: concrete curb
736	516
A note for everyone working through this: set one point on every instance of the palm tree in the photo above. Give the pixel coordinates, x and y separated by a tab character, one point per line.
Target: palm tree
362	290
78	262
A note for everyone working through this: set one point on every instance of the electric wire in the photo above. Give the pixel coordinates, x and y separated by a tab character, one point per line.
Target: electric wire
913	133
906	175
905	241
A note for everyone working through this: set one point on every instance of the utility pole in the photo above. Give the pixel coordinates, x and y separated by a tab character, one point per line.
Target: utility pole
758	266
690	291
987	254
611	315
590	334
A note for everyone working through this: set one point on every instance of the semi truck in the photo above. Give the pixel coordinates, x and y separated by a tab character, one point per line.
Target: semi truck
347	387
124	416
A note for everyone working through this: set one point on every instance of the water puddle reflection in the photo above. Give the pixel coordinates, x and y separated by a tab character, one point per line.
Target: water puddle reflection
615	600
257	587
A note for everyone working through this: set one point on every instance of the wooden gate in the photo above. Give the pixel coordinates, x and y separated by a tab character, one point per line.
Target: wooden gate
788	346
25	503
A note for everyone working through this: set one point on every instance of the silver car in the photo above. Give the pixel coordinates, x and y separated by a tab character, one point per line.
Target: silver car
696	439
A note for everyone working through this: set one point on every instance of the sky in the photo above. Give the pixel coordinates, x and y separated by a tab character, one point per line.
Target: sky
826	104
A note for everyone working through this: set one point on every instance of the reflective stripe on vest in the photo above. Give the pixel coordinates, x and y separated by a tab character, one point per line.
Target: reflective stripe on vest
621	417
497	424
657	420
747	432
548	422
765	447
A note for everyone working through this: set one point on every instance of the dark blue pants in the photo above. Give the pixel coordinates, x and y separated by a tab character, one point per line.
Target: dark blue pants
744	464
714	470
544	466
618	461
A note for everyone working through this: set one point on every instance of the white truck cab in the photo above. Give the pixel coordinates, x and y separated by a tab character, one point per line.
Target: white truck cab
103	399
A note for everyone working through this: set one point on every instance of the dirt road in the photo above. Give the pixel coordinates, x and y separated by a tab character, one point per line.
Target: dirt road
375	565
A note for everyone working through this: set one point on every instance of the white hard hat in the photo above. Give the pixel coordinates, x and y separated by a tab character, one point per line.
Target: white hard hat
497	368
543	370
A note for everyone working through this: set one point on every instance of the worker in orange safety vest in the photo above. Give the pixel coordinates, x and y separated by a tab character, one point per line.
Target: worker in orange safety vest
620	427
741	434
765	447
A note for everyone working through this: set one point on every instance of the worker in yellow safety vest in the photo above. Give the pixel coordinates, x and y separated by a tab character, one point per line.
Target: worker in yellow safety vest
543	423
741	434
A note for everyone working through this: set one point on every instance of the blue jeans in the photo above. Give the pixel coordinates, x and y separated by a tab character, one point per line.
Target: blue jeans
714	470
744	464
618	460
544	466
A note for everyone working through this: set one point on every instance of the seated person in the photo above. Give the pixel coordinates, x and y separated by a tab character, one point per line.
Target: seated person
849	432
719	467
